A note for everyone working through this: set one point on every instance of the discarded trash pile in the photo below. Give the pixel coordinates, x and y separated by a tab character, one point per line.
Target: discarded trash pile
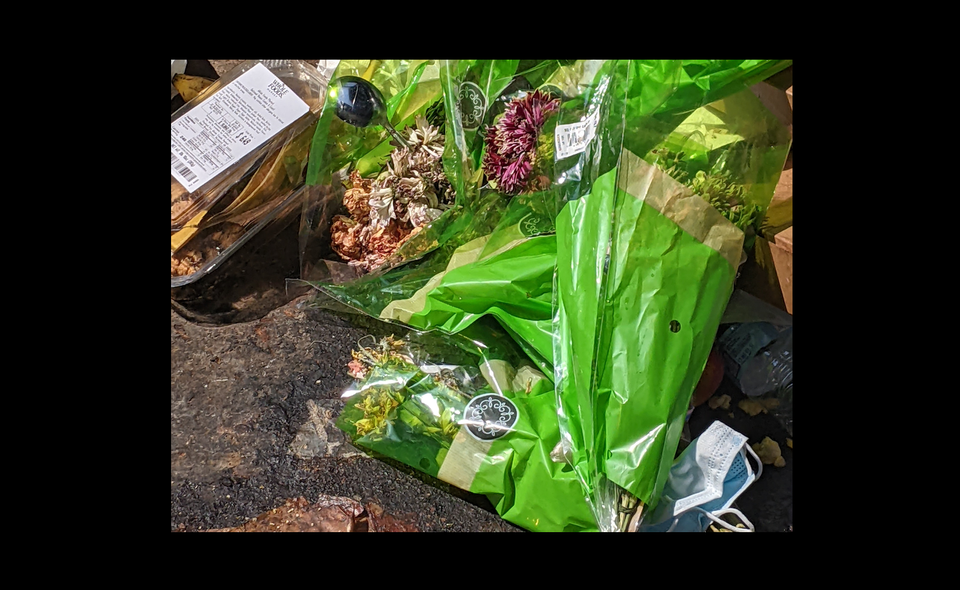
557	243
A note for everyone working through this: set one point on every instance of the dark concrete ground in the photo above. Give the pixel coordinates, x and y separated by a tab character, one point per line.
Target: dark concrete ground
256	376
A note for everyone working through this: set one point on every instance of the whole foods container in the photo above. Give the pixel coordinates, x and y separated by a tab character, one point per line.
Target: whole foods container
238	155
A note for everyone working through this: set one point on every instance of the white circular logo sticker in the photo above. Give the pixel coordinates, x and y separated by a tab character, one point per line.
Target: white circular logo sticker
489	416
472	105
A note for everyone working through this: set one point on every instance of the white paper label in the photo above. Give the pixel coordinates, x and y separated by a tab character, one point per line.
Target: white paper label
237	119
573	138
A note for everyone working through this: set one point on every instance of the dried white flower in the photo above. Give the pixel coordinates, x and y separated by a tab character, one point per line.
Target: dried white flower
381	207
410	193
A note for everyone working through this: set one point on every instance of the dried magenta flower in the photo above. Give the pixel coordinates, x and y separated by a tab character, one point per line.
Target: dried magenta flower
511	154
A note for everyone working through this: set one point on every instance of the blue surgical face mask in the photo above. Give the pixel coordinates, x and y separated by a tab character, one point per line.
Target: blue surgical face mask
704	482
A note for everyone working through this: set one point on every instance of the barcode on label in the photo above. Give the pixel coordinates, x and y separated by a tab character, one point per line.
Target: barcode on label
182	169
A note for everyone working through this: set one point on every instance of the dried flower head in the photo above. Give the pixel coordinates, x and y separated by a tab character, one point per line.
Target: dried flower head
356	200
379	409
357	369
345	237
514	149
385	241
388	352
410	193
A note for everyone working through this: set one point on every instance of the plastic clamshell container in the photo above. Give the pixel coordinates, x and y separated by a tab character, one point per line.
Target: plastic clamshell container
220	114
284	209
306	82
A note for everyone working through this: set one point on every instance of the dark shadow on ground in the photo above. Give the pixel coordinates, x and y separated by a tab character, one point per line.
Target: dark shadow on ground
250	284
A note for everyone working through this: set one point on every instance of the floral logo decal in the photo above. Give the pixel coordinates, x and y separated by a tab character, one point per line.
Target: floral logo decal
489	416
535	225
472	105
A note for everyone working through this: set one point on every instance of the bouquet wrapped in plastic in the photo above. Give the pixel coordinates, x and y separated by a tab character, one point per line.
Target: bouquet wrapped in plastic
502	123
627	186
469	410
646	264
375	204
386	179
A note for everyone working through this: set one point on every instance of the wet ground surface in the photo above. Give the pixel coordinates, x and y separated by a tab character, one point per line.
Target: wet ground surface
256	377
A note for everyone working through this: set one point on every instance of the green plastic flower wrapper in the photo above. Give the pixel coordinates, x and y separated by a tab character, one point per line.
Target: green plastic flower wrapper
470	92
489	224
730	152
644	270
484	87
470	411
507	272
505	267
412	91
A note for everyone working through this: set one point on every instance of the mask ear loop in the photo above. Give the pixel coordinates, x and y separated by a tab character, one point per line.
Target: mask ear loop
759	462
750	528
714	517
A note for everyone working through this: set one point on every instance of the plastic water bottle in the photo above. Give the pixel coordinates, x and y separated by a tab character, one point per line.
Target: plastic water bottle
760	360
770	374
771	369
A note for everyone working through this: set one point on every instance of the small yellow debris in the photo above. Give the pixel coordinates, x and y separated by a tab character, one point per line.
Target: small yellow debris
722	401
769	452
731	415
770	403
751	407
790	442
756	406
